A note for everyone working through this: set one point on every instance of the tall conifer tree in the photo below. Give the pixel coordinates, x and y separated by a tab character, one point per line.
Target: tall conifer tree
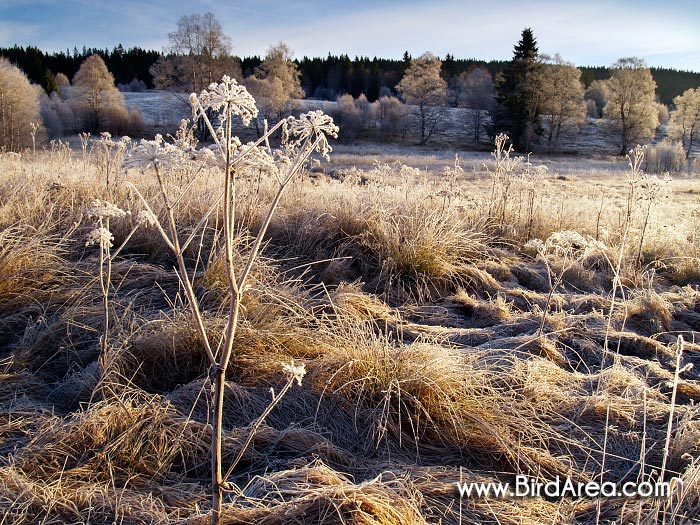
517	112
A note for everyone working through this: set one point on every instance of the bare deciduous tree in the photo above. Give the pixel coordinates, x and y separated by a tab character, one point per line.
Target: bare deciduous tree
663	113
62	81
423	87
19	108
630	92
391	114
199	54
349	116
477	94
685	120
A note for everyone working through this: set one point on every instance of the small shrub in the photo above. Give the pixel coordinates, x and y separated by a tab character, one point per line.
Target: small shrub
666	157
392	116
592	109
662	110
350	117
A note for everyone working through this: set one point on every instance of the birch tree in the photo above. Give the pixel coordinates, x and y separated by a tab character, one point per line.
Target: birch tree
476	93
198	54
275	82
685	120
562	107
19	108
423	87
631	106
94	95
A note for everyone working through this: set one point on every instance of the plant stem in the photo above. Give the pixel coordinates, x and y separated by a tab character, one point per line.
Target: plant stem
182	267
676	377
105	280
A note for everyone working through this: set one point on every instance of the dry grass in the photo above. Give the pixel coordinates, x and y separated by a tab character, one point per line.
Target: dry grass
31	267
416	316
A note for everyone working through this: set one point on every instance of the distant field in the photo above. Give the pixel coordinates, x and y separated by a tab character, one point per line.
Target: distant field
163	110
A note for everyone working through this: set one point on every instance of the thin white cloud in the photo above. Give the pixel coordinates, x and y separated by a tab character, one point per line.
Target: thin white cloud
590	33
10	33
594	33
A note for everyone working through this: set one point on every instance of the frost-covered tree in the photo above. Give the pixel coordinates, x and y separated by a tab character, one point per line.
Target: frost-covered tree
96	101
19	108
62	81
199	53
517	97
562	107
275	82
663	113
391	113
685	120
349	116
354	115
423	87
596	93
630	94
475	92
94	91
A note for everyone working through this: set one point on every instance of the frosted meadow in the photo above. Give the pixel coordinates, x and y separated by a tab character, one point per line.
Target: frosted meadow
251	317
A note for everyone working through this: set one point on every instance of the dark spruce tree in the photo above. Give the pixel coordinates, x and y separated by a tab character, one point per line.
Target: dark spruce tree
50	85
517	112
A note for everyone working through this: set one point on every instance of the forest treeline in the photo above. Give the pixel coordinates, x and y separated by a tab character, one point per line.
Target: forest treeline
539	101
323	78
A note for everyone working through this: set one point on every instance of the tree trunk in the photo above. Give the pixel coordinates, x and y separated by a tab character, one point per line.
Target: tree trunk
623	122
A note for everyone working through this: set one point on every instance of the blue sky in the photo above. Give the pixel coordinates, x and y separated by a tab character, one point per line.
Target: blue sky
596	32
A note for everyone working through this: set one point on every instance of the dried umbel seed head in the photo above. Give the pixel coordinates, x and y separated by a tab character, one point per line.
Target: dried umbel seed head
156	153
314	125
146	218
228	96
101	236
294	372
104	210
253	157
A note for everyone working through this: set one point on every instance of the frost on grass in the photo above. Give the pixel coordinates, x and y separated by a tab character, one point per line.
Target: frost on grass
475	375
294	372
565	242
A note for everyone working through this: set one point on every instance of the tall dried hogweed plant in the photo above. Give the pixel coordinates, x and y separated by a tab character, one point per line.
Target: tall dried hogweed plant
216	107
